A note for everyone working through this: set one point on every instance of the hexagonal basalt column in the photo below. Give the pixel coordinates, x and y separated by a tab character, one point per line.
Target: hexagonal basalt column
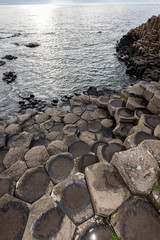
22	140
60	166
136	219
113	105
138	168
124	115
149	120
107	189
106	152
136	138
85	161
73	197
102	101
134	103
32	185
13	218
47	221
79	149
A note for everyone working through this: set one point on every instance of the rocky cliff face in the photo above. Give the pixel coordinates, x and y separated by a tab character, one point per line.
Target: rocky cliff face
140	50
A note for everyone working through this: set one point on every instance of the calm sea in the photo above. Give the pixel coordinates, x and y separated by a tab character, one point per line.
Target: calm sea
77	48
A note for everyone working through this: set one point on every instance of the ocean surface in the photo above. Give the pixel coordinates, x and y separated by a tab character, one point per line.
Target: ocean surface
77	48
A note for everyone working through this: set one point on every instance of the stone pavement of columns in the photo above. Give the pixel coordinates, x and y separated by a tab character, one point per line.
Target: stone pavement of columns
87	169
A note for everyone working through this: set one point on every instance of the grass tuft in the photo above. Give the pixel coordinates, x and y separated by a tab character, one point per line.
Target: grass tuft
155	186
114	236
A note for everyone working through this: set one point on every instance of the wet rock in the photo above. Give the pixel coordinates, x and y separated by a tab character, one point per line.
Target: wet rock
32	45
36	156
34	130
32	185
78	110
70	118
90	107
134	103
60	166
79	149
41	118
138	168
113	105
124	115
86	161
64	107
131	218
150	121
12	129
56	147
22	140
89	116
13	217
95	227
69	129
2	63
106	152
136	90
73	198
106	187
9	77
106	132
15	171
102	102
57	225
157	131
122	129
9	57
51	111
6	186
13	155
134	139
2	140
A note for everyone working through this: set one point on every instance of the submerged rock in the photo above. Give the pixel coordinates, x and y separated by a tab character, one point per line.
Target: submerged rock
9	76
32	45
9	57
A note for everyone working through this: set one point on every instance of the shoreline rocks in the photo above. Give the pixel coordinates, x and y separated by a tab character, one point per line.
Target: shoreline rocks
92	154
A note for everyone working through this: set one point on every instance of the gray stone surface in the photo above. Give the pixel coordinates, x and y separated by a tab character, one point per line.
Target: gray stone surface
13	218
122	129
22	140
150	121
79	149
47	221
6	186
134	103
138	168
154	197
89	116
136	220
12	129
56	147
113	105
73	197
124	115
157	131
32	185
70	118
36	156
107	189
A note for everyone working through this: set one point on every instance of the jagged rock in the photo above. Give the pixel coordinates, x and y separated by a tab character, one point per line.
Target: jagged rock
73	198
56	147
22	140
106	152
134	139
157	131
32	45
13	155
132	216
79	149
57	225
15	171
60	166
32	185
138	168
12	129
9	77
36	156
94	227
13	217
107	189
9	57
113	105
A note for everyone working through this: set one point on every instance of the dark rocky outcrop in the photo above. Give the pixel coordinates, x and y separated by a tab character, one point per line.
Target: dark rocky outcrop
9	76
